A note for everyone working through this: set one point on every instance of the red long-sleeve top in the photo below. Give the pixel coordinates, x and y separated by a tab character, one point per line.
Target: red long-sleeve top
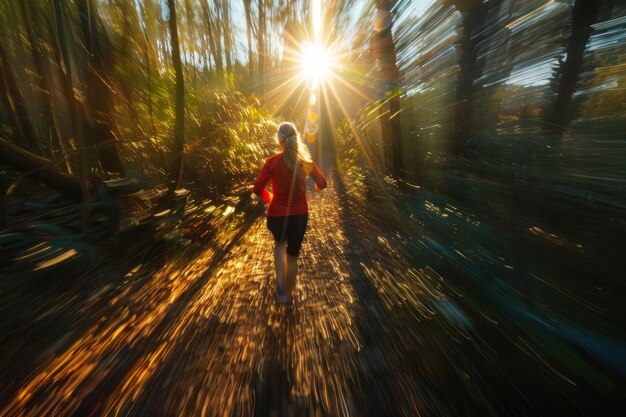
288	196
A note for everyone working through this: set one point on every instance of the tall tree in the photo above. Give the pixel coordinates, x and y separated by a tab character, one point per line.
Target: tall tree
75	110
98	93
261	29
384	50
215	44
149	58
15	102
40	168
246	5
206	14
473	14
30	15
190	40
218	34
584	14
125	59
502	46
176	163
228	36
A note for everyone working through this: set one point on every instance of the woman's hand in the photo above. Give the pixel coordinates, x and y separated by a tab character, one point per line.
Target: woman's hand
266	195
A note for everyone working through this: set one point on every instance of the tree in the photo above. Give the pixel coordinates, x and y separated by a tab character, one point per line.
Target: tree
214	44
15	103
30	15
124	56
584	14
473	14
384	50
40	168
249	36
176	164
76	112
98	93
261	46
227	31
502	46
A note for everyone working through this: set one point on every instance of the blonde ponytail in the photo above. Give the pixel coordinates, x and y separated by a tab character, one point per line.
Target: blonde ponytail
296	153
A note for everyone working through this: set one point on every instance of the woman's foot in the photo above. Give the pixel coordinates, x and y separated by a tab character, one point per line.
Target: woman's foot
284	299
281	293
280	288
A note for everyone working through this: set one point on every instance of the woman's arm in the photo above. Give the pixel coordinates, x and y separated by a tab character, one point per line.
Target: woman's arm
266	195
318	177
260	183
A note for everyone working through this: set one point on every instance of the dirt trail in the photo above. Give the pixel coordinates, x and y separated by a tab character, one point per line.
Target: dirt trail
370	334
208	338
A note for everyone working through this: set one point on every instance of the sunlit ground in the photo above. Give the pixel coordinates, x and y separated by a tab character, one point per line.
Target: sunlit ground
375	331
491	286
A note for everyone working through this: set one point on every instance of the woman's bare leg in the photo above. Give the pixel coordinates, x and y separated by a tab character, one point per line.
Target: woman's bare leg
291	274
280	263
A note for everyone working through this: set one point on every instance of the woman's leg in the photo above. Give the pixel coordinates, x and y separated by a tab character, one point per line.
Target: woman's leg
280	265
295	234
276	225
291	273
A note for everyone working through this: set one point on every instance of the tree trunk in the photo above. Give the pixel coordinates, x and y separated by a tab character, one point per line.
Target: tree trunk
40	168
472	12
246	5
217	57
125	58
176	158
76	112
14	100
261	46
584	14
98	92
227	35
501	45
384	49
31	19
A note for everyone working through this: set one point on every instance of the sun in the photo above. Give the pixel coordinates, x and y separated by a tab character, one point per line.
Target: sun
316	62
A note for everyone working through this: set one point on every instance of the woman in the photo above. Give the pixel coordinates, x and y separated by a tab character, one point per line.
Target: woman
287	214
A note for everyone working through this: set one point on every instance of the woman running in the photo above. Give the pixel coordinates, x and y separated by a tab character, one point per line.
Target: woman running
287	214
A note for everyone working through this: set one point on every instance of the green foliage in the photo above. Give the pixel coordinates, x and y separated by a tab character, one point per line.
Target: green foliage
232	137
352	168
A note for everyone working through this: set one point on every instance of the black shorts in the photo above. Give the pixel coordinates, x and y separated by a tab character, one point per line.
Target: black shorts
289	228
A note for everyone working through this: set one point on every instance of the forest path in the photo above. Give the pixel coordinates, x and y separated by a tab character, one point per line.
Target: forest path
373	332
206	336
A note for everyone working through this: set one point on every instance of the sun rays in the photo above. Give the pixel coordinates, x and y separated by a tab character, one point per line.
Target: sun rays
316	62
324	78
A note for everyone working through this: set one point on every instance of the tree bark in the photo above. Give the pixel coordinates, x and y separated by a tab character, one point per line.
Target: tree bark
472	14
176	158
261	47
384	50
40	168
97	91
77	116
14	100
584	14
246	5
125	58
31	18
76	112
217	55
227	35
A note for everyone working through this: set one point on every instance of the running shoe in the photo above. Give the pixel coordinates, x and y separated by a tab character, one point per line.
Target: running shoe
284	299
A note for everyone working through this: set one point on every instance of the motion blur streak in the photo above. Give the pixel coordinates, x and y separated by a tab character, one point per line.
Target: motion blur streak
466	260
